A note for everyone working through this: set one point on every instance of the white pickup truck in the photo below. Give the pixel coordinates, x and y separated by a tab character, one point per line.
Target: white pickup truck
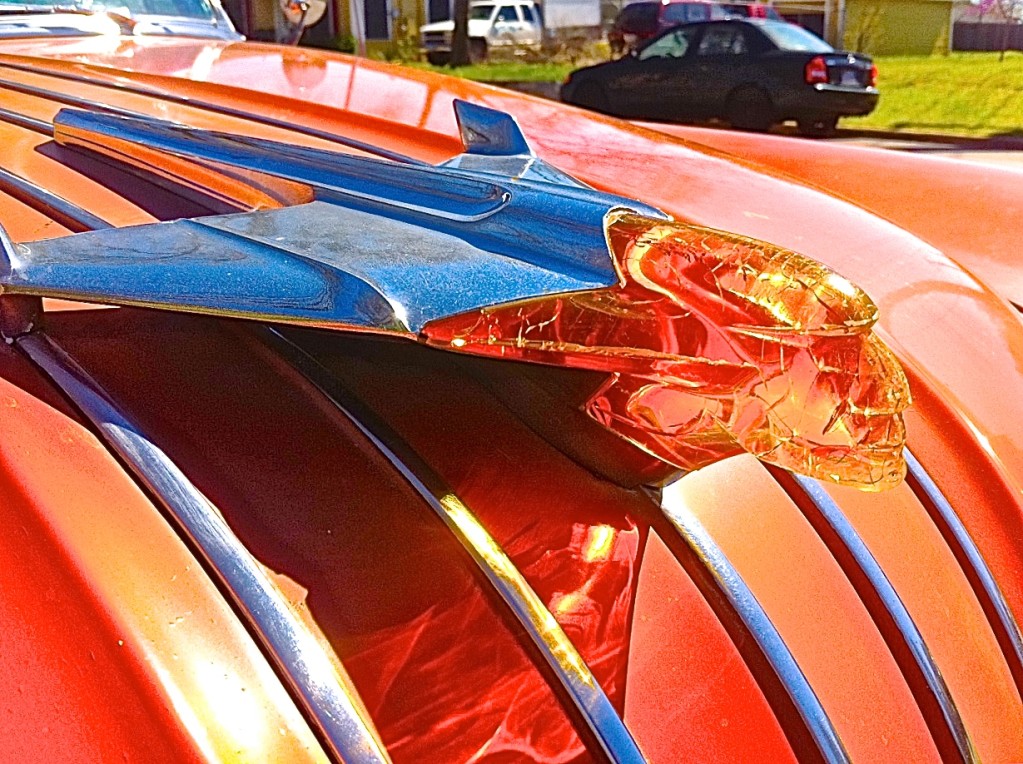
501	24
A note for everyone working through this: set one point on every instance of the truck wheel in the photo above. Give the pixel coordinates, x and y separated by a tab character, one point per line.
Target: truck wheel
477	51
438	59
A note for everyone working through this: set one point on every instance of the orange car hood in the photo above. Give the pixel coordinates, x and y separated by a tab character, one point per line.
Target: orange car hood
933	312
961	343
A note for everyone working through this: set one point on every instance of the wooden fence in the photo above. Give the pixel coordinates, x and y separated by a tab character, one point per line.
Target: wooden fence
966	36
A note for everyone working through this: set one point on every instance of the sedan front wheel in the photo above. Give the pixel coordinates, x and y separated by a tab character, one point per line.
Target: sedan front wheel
592	96
750	108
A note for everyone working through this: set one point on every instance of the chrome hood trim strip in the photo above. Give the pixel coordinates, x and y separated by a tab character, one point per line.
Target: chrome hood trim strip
64	98
760	626
66	213
856	550
587	697
23	120
316	678
1003	622
226	111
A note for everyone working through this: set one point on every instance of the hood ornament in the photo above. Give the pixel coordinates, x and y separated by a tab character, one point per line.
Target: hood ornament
713	344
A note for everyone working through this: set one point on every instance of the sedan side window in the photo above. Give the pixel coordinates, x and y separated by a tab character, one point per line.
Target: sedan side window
672	45
723	41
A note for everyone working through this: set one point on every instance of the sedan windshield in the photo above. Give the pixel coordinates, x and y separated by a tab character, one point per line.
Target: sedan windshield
190	9
790	37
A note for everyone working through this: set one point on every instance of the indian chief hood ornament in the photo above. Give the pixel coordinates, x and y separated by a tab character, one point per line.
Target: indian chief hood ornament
713	344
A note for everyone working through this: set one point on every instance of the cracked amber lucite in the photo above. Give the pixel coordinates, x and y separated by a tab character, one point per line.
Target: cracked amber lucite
715	345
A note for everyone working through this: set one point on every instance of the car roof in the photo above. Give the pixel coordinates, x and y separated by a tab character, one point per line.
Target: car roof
753	22
686	2
748	20
640	3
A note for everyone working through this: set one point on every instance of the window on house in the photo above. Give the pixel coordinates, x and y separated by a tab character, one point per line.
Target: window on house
377	18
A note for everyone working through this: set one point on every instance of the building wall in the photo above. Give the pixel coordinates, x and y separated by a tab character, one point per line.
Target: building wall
391	25
898	27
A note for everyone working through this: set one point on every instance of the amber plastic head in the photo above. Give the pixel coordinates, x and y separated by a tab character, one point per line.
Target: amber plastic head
717	344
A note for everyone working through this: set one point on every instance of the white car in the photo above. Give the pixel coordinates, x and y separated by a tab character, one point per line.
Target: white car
503	24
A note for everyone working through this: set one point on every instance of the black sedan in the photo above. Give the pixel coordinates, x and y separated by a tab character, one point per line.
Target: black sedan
753	73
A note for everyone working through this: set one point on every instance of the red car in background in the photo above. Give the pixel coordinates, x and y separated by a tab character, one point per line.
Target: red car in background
638	22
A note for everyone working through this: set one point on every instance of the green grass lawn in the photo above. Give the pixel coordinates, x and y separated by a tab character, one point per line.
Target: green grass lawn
964	93
972	94
508	71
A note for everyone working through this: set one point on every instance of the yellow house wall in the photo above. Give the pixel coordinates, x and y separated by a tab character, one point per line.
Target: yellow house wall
261	15
344	17
405	23
897	27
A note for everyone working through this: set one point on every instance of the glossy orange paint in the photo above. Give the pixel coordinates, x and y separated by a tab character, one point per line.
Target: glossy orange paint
441	673
938	596
306	84
962	208
811	602
32	225
680	662
102	601
547	511
954	334
942	436
26	161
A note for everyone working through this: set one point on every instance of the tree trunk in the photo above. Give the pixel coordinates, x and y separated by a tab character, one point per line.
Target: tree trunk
460	37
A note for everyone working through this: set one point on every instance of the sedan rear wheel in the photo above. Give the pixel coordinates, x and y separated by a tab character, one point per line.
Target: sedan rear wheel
750	108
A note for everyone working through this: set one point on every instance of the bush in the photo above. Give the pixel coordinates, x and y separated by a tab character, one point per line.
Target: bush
345	43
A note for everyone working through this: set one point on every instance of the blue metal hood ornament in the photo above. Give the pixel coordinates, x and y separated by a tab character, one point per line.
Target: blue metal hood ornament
372	245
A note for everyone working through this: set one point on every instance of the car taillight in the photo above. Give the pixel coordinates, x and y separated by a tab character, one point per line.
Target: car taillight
816	71
715	344
872	82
